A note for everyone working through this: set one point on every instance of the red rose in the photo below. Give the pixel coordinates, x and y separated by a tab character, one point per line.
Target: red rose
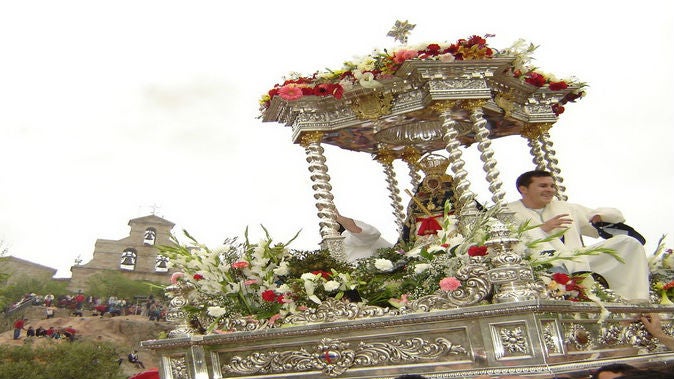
558	86
477	251
268	296
198	277
561	278
557	109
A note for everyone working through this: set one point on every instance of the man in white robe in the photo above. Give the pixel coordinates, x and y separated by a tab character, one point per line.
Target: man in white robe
361	240
539	206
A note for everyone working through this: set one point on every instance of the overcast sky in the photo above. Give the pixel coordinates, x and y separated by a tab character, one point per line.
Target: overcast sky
109	108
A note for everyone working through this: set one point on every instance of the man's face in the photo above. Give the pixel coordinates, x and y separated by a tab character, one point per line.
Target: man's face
609	375
539	192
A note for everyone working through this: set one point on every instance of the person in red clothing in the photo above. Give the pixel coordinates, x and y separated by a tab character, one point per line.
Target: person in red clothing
18	327
69	333
79	301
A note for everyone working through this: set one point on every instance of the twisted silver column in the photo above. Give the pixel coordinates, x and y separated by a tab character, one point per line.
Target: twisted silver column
327	213
464	196
411	157
487	155
386	160
536	153
551	159
532	133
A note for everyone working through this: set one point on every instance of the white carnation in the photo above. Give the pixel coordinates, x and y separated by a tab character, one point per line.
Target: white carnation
383	265
421	267
331	285
216	311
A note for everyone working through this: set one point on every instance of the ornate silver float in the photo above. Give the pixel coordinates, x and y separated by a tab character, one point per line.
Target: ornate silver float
501	322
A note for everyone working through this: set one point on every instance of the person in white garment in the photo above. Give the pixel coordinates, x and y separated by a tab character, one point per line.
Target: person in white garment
361	240
539	206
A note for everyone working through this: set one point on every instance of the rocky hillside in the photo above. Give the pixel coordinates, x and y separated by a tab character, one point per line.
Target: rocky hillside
125	332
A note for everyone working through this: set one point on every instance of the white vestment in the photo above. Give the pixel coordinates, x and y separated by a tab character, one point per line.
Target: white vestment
629	280
363	244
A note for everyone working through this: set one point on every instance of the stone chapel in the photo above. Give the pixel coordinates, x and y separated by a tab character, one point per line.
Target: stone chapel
136	256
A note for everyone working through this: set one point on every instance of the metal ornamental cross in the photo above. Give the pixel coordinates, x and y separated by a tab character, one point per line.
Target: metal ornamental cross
400	30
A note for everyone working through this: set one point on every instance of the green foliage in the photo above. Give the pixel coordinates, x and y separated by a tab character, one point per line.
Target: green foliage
114	283
80	360
39	285
317	260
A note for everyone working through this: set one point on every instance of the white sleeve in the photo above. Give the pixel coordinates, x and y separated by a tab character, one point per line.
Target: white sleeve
368	235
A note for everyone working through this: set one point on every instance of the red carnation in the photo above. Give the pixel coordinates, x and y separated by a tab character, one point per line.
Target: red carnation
268	296
558	86
477	251
561	278
324	274
476	40
433	48
280	299
308	91
198	277
535	79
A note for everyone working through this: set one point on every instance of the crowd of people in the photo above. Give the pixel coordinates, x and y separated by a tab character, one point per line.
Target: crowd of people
79	304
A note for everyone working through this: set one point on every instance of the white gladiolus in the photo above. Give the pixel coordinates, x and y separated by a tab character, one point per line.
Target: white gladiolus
307	276
282	269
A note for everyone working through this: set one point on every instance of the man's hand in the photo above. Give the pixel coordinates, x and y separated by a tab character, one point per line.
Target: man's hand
558	221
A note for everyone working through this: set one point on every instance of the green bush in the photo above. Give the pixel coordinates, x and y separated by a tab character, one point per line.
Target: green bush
39	285
80	360
113	283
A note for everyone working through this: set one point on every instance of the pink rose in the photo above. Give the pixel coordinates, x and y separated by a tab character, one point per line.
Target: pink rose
450	284
176	276
401	56
272	319
250	281
240	264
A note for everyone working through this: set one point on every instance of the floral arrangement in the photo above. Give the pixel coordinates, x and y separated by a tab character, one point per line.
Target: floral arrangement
369	71
661	265
267	281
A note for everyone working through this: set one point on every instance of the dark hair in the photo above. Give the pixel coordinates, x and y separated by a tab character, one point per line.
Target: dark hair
526	178
647	374
621	368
